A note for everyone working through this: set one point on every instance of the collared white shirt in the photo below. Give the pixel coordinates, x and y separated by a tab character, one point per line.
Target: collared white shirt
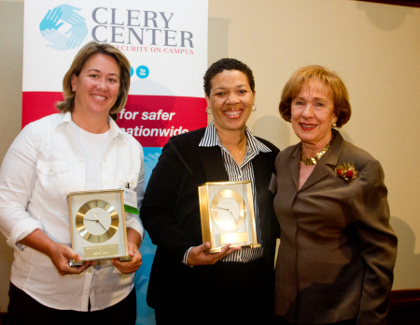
41	167
244	172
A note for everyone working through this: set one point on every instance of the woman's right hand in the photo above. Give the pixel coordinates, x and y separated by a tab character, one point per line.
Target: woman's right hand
60	254
199	255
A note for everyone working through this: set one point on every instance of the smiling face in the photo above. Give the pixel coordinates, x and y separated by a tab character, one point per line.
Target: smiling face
313	114
97	86
230	100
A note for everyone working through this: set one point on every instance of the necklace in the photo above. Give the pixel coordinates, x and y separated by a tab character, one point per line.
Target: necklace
238	153
314	160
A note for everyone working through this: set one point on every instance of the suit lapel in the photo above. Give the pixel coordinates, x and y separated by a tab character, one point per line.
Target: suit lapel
295	165
317	174
212	162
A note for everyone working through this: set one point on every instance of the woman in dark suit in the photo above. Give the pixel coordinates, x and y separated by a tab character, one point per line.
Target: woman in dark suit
187	284
337	252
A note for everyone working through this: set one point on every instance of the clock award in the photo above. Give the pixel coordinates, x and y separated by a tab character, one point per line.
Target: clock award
227	214
97	225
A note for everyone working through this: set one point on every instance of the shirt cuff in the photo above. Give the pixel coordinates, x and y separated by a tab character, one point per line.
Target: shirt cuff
185	259
21	230
133	221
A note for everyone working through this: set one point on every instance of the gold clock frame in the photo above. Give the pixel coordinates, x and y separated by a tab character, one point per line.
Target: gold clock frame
244	234
110	244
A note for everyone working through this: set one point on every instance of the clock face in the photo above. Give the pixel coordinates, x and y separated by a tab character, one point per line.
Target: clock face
97	221
228	209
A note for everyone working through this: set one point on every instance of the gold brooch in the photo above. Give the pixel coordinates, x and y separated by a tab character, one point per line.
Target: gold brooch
347	171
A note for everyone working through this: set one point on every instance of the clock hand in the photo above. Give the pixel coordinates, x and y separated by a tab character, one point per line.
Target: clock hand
236	220
102	225
97	220
95	214
230	211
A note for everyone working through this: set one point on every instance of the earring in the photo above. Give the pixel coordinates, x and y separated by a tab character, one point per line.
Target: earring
334	125
254	108
208	110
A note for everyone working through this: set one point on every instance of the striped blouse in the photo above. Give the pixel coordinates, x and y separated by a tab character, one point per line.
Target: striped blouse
245	172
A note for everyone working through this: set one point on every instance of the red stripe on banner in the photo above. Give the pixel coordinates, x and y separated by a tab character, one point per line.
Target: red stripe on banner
152	120
36	105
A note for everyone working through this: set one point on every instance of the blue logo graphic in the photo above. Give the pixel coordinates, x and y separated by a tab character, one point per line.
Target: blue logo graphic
55	19
142	72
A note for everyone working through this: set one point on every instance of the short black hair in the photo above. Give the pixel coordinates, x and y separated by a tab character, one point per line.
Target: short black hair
227	64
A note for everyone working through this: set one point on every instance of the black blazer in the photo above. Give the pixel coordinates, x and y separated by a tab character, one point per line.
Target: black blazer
170	213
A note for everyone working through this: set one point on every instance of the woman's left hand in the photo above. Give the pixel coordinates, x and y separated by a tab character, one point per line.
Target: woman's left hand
129	266
133	243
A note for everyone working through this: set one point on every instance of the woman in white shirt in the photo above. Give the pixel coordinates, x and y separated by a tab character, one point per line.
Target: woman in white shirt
79	149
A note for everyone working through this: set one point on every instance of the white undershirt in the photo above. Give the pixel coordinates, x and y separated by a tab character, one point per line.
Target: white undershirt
92	146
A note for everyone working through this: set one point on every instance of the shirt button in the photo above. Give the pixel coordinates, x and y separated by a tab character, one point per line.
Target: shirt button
104	160
105	183
51	170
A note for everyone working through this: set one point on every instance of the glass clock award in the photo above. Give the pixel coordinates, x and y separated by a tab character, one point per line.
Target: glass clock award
97	225
227	215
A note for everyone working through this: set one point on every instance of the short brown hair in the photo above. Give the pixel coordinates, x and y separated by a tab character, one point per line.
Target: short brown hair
79	61
342	108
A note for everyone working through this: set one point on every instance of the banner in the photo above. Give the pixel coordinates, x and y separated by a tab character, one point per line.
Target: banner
166	44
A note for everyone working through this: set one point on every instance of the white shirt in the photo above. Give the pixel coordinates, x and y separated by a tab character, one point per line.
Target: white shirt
41	167
92	146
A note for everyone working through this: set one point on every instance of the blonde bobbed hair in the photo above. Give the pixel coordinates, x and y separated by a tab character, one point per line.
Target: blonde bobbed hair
67	105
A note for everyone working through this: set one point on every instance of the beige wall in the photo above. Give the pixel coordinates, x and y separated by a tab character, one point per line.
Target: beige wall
374	47
11	38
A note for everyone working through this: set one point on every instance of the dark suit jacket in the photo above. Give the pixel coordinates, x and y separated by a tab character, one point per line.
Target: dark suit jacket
337	251
170	213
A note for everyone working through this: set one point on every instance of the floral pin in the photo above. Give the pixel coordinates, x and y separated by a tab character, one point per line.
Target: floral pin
347	171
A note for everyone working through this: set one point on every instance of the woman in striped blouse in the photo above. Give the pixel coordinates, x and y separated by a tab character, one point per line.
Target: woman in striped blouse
188	284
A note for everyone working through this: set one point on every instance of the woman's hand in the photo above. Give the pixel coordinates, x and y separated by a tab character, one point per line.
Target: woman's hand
199	255
133	243
60	254
129	266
